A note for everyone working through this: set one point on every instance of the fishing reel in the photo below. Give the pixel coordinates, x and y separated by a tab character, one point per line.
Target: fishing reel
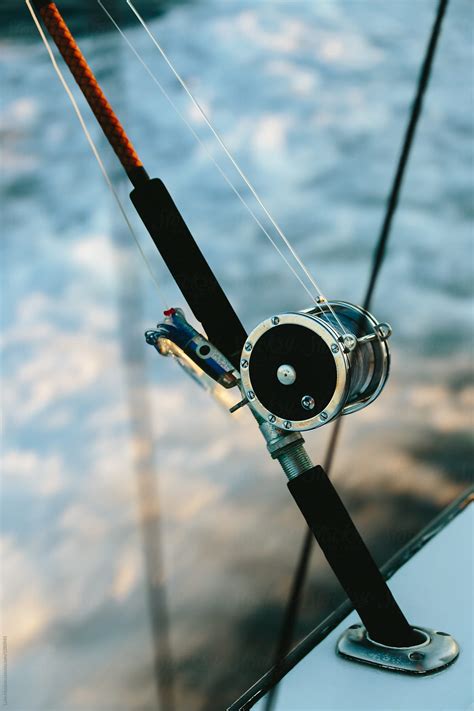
302	369
298	370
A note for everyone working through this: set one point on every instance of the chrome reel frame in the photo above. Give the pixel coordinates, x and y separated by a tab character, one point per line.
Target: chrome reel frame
362	361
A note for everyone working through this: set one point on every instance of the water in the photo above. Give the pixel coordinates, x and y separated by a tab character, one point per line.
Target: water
312	98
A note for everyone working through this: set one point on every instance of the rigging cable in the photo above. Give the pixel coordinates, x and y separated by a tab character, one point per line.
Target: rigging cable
150	505
290	615
109	122
242	175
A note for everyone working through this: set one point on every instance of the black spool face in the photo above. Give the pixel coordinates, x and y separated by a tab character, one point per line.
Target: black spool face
310	358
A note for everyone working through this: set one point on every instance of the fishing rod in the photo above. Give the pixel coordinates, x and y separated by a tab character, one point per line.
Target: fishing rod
296	371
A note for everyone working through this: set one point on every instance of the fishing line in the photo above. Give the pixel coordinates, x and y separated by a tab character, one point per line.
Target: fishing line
204	147
236	166
94	149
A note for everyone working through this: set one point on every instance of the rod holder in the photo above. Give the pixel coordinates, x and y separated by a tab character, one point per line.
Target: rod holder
435	651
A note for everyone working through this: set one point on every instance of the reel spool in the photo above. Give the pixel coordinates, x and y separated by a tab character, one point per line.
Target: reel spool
300	370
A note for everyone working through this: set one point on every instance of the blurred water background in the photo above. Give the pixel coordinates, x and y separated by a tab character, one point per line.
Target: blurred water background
122	482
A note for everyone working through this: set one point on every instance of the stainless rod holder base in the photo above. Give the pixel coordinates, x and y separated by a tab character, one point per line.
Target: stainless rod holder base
436	651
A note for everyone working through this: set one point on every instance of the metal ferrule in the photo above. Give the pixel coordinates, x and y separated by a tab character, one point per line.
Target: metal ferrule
287	448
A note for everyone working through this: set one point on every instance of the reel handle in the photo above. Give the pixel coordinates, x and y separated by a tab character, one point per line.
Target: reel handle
350	558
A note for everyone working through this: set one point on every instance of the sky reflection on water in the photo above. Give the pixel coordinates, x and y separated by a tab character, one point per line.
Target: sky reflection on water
312	97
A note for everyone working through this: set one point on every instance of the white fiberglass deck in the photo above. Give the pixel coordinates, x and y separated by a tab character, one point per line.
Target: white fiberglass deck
434	588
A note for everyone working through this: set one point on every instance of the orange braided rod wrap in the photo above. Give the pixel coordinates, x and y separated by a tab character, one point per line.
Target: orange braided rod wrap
89	86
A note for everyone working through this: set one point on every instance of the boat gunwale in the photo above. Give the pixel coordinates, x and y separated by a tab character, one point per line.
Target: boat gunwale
274	675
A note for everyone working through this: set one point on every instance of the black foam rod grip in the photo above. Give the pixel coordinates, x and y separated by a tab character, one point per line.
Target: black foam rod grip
189	268
350	558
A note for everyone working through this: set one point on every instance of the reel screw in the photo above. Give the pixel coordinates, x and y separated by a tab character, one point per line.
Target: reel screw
323	416
271	418
251	395
287	425
286	374
275	320
248	346
308	402
244	363
335	348
383	330
349	341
